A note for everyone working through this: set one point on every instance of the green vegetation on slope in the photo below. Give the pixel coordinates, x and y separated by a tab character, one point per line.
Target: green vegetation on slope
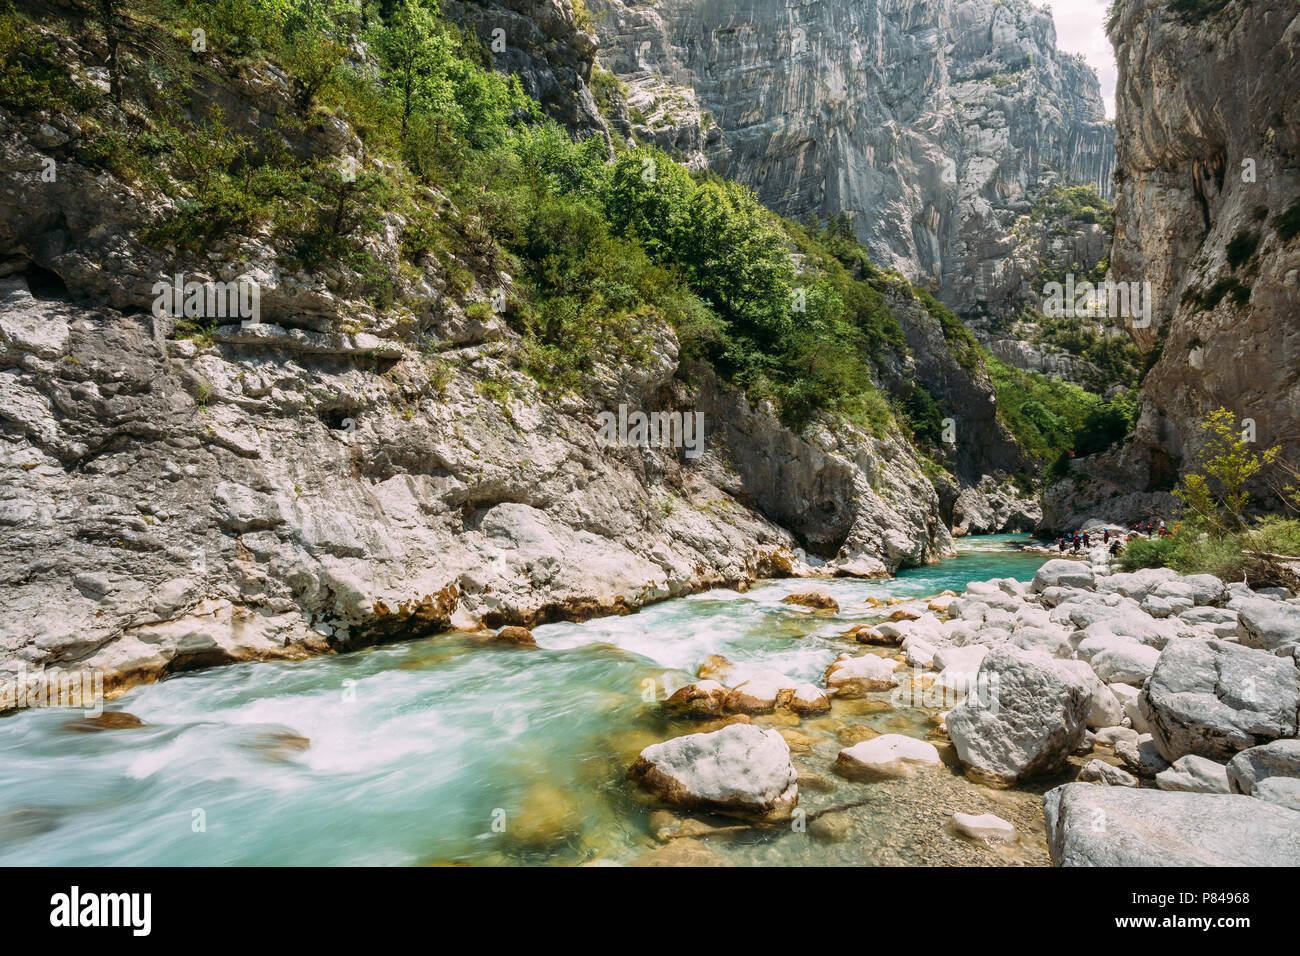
601	253
1052	419
1063	204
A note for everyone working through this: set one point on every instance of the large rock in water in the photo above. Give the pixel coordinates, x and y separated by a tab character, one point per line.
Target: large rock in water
701	699
1117	826
1212	698
739	770
886	757
856	676
1025	717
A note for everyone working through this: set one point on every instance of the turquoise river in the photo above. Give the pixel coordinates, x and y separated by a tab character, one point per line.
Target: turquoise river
448	750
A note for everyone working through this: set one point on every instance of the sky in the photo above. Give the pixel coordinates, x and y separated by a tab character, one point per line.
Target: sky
1081	28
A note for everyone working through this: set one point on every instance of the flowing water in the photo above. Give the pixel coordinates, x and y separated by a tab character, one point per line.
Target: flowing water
450	750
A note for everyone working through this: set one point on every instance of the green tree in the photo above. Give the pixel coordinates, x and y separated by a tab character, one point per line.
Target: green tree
1217	499
413	47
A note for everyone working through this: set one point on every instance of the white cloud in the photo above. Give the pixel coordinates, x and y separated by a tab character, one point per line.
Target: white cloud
1081	28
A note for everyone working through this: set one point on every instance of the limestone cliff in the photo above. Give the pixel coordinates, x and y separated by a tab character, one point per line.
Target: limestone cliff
1208	139
934	124
344	471
711	82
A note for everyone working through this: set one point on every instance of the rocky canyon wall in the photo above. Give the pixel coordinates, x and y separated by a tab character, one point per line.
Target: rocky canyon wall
1209	165
1207	213
336	473
933	124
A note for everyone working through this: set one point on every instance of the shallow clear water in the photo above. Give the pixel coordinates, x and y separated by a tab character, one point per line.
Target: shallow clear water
448	750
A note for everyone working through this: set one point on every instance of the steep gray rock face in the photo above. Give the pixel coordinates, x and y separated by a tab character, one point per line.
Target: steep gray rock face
1208	141
1104	487
1043	359
983	445
839	492
337	474
934	124
988	508
171	505
542	43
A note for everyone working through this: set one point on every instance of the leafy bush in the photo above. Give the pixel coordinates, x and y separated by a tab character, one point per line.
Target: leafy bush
1071	204
1115	356
1148	553
1216	500
923	416
960	339
1287	223
1198	11
1104	426
1216	536
32	77
1230	558
1045	416
1241	248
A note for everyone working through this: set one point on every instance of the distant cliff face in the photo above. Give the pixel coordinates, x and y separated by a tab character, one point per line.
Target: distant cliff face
934	124
1207	212
1209	164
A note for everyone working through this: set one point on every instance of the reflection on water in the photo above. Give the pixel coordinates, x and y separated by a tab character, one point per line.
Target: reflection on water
448	750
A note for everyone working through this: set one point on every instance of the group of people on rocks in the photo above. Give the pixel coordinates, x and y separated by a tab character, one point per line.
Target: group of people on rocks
1152	528
1080	539
1115	545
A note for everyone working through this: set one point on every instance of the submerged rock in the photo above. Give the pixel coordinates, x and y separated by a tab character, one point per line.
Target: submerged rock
885	758
544	817
817	600
681	852
985	826
518	636
1118	826
856	733
831	828
715	667
739	770
109	720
